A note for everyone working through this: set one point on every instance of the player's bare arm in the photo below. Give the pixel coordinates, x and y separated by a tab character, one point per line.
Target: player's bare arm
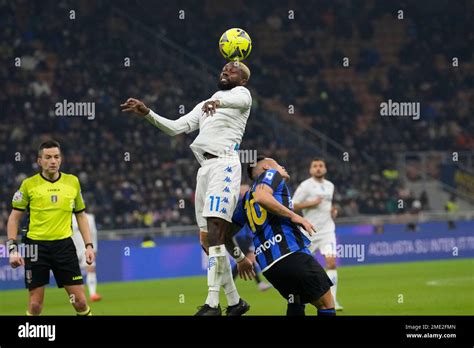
136	106
263	195
12	230
334	212
308	204
244	265
83	225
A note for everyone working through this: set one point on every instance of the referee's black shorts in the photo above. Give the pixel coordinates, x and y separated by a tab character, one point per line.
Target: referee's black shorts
299	278
56	255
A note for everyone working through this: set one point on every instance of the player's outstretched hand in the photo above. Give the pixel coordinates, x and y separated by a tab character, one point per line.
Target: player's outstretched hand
90	256
245	269
209	107
16	260
301	221
136	106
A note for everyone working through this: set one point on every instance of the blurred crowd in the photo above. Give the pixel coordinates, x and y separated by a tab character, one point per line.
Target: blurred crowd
133	175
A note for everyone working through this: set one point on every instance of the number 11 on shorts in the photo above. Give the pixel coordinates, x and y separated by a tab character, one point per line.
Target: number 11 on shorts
218	201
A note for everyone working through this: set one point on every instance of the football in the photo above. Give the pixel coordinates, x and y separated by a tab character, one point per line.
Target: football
235	44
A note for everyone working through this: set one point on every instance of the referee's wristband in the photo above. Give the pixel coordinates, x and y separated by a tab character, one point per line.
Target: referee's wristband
91	245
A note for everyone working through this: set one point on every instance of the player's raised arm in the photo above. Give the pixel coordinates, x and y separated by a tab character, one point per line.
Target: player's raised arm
186	123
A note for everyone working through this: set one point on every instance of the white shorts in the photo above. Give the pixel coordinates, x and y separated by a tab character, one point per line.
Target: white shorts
217	189
81	249
325	242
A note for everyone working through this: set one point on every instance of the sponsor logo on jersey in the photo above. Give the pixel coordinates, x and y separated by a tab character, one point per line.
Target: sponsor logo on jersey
54	198
268	244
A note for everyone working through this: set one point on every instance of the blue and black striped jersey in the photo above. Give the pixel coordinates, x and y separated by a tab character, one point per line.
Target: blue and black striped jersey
274	236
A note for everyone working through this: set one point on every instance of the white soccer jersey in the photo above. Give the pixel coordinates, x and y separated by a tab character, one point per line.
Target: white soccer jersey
319	216
220	134
79	242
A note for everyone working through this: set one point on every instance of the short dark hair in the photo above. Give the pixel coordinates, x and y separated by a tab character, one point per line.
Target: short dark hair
318	159
250	168
49	144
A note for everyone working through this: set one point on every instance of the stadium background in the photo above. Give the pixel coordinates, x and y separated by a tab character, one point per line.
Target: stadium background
306	104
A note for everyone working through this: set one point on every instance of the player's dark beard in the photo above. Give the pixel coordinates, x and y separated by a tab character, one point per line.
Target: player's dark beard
225	86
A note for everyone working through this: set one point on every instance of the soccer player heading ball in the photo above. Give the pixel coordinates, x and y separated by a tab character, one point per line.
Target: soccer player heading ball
221	122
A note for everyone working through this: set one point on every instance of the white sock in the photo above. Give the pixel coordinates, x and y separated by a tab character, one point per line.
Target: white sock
332	274
92	283
229	286
215	270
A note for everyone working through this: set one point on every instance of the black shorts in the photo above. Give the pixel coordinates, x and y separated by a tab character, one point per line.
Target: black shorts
56	255
299	278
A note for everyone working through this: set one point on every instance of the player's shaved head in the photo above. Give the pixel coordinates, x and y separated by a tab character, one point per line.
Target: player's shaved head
263	164
233	74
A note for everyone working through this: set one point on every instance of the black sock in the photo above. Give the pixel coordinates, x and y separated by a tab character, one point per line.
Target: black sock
295	309
257	277
234	271
328	312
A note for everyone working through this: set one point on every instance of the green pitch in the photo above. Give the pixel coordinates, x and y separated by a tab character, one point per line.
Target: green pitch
418	288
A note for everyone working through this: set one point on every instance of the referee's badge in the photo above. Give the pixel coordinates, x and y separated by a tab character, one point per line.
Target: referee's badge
18	196
54	198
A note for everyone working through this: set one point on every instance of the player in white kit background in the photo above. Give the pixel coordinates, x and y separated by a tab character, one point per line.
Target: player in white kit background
91	276
314	197
221	122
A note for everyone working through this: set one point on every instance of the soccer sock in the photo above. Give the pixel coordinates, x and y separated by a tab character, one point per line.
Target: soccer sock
332	274
257	277
235	272
228	284
215	270
329	312
85	313
92	283
295	309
